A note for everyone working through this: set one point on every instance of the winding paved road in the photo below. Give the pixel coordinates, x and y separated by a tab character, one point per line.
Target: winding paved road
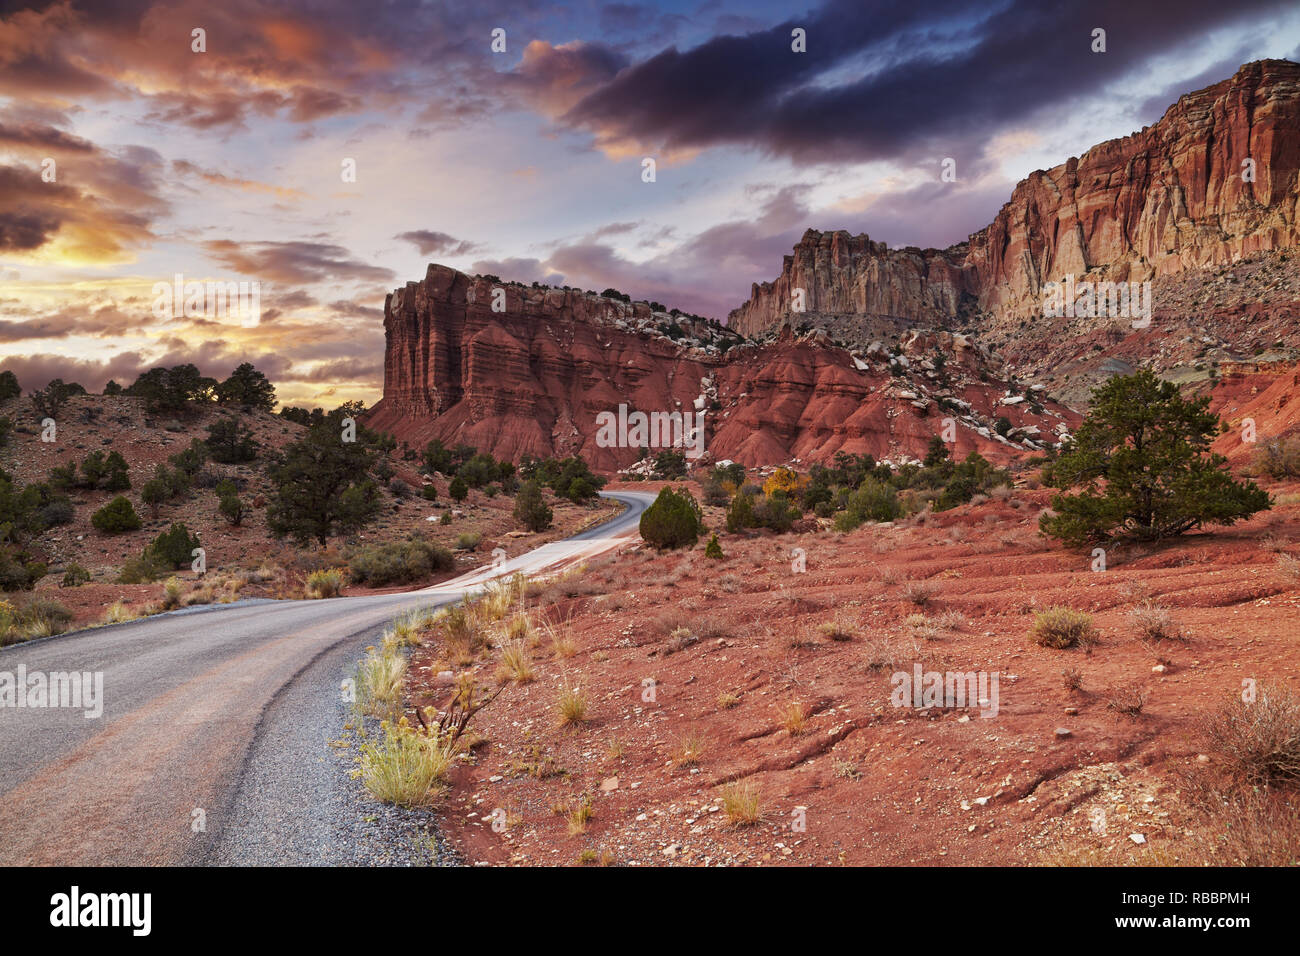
228	710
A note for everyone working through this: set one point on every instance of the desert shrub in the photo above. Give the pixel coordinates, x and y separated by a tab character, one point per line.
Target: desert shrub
19	571
429	492
670	465
1062	627
1154	623
713	549
531	509
458	489
1279	459
398	562
116	517
468	541
172	548
139	570
740	513
873	501
232	508
230	441
1259	742
672	521
74	576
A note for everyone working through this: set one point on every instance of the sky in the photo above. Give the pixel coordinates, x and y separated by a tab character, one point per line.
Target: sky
329	150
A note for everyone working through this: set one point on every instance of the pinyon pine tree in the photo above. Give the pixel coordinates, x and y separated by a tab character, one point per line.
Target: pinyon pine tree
1142	464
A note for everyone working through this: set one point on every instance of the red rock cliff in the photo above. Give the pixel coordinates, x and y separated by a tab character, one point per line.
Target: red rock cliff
532	379
1168	198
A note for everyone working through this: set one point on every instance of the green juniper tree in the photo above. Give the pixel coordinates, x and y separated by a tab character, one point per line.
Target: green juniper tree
323	486
1142	464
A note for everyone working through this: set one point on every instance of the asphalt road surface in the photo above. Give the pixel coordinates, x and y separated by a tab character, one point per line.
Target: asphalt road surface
213	746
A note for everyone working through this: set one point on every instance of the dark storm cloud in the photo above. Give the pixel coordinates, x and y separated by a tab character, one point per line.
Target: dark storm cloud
882	78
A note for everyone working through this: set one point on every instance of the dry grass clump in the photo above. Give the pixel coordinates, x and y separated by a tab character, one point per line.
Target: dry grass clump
563	645
1288	568
118	613
740	802
689	750
794	718
727	699
516	665
379	681
922	627
406	766
1072	679
839	628
886	654
889	576
571	705
463	631
325	583
1063	627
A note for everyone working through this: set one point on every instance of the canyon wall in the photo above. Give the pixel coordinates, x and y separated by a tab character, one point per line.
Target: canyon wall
1169	198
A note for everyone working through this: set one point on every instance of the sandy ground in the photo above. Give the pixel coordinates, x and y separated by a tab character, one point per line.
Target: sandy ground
864	781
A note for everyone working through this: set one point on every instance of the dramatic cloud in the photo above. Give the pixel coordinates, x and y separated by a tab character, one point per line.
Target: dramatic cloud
881	79
437	243
293	262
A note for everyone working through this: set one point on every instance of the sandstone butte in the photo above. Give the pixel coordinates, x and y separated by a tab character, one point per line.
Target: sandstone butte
1168	200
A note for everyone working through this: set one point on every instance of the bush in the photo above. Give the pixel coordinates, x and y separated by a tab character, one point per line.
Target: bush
458	490
173	548
58	511
468	541
154	492
1279	459
398	562
1259	741
232	509
1062	627
139	570
531	509
116	517
18	571
673	521
74	576
230	441
429	492
713	549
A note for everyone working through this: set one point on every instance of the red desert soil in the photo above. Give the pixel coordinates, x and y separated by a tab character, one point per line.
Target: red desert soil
876	784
